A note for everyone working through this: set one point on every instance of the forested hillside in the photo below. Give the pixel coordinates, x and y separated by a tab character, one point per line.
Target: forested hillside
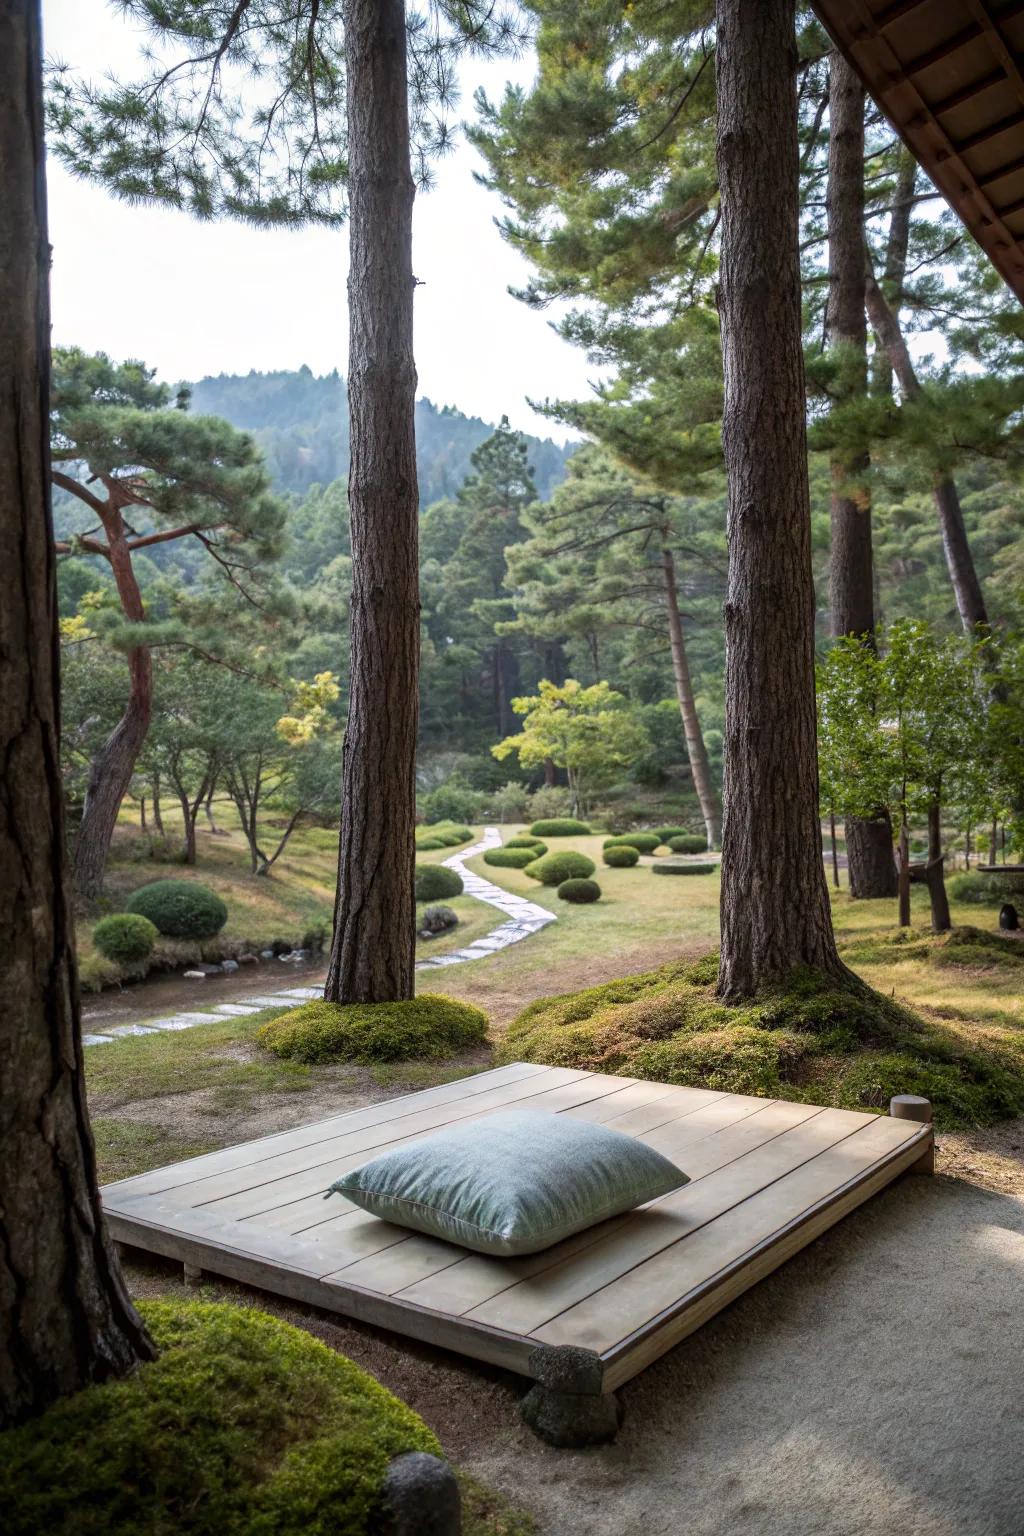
301	423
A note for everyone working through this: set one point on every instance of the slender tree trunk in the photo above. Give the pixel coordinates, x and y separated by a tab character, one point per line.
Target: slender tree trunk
896	249
775	906
372	954
936	872
700	768
143	825
970	600
550	773
65	1317
110	772
190	827
158	820
993	846
268	863
872	872
904	875
835	854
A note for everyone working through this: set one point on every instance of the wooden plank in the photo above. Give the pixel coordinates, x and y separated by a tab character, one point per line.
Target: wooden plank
657	1335
156	1180
258	1193
526	1308
652	1288
475	1278
640	1098
675	1104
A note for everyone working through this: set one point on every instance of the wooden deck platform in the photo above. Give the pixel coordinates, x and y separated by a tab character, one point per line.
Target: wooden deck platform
768	1177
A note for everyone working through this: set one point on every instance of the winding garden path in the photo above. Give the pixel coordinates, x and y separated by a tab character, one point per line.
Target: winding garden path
522	918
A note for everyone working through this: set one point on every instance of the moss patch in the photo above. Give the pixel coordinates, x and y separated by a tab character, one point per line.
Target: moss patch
964	946
242	1426
812	1040
426	1027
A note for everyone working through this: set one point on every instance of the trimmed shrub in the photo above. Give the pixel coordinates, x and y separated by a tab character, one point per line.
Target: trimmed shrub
242	1424
435	883
666	834
180	909
643	842
811	1040
677	866
430	844
510	858
995	888
553	868
425	1027
126	937
620	856
524	840
443	834
559	826
454	837
688	842
438	920
579	891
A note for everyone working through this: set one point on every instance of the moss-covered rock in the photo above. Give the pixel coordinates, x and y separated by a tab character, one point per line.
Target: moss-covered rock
814	1040
435	883
619	856
242	1426
425	1027
553	868
579	891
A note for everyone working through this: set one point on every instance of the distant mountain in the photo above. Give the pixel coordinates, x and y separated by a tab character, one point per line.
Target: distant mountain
301	423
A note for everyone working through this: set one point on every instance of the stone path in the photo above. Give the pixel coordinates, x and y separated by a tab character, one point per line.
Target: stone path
523	918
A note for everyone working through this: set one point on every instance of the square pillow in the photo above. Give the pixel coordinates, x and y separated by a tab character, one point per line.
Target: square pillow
511	1183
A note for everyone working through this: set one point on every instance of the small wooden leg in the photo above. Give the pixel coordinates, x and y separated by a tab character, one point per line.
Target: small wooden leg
909	1106
566	1406
192	1273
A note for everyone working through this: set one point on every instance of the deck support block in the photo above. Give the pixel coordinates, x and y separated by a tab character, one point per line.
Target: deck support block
420	1497
566	1405
192	1274
910	1106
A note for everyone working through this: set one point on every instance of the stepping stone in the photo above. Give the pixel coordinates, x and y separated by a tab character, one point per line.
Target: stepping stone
304	993
279	1000
180	1020
236	1010
97	1039
173	1023
134	1029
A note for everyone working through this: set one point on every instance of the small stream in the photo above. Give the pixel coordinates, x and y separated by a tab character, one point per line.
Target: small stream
170	993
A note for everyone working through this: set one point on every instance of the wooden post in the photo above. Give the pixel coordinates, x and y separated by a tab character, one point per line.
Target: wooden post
909	1106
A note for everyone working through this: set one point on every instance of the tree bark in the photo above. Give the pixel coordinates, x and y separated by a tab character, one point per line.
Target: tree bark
871	866
373	948
970	600
775	906
700	768
896	248
65	1317
110	772
904	875
935	872
158	820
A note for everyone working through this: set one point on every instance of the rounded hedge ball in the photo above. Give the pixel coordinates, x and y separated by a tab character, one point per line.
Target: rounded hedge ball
436	883
524	840
553	868
126	937
679	866
620	856
688	842
559	826
643	842
510	858
180	909
579	891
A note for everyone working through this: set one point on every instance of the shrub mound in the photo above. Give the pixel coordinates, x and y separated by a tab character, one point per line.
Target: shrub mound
995	888
553	868
559	826
429	844
687	842
666	834
438	920
619	856
524	840
180	909
580	891
125	937
675	865
242	1426
814	1040
643	842
426	1027
966	946
510	858
435	883
443	834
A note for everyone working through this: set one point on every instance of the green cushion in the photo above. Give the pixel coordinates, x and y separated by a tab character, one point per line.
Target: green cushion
511	1183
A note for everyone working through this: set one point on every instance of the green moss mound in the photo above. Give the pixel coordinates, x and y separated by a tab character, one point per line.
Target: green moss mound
428	1027
553	868
125	937
435	883
965	946
180	909
687	842
242	1426
674	865
526	841
620	857
815	1040
579	891
510	858
443	834
992	888
559	826
643	842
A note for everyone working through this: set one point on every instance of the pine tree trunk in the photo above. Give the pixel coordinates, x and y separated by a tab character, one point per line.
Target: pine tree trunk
896	248
65	1317
904	875
775	907
970	600
372	954
158	820
700	768
111	770
872	872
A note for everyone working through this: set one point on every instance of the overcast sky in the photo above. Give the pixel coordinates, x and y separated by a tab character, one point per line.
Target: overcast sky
192	299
